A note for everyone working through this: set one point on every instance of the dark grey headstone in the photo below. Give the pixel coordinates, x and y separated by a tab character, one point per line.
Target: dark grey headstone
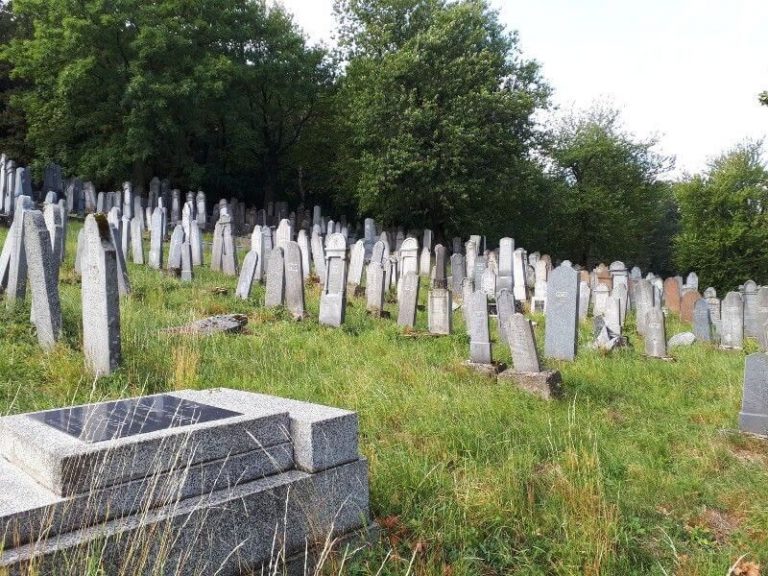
458	273
753	417
702	323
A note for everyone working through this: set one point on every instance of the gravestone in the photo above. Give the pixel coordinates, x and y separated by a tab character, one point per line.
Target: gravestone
520	275
753	417
621	293
275	289
229	265
672	295
374	288
505	280
458	273
479	331
761	311
137	241
488	283
318	255
702	324
732	322
14	273
53	223
174	250
356	263
505	308
470	253
156	240
303	241
751	321
692	281
560	334
687	304
425	262
333	300
409	261
294	280
284	233
42	268
247	275
100	297
584	297
644	301
655	334
603	276
408	301
202	210
186	262
612	315
440	302
477	273
601	294
467	288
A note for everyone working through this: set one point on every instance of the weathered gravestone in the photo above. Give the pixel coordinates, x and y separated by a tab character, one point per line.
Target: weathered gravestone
42	268
584	296
467	288
275	289
761	312
356	263
751	321
425	262
488	283
408	301
732	322
526	372
612	316
560	330
100	297
408	260
479	334
186	262
333	300
458	273
303	241
687	304
247	275
440	303
505	308
190	482
753	417
137	241
53	222
655	334
374	288
13	262
505	280
294	280
702	323
644	301
174	249
318	255
156	240
672	295
520	275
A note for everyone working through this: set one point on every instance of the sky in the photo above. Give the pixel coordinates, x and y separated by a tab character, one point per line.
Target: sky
685	71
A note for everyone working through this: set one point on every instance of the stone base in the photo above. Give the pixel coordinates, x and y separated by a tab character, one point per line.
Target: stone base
486	369
546	385
313	561
754	424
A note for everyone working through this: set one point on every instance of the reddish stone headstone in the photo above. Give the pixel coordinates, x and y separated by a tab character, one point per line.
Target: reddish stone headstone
687	304
672	295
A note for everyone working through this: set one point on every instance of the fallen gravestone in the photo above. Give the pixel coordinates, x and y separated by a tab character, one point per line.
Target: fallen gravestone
212	325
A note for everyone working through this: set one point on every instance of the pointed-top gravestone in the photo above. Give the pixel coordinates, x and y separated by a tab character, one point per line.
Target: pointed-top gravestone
440	303
52	217
505	280
333	300
425	262
458	273
16	276
303	241
522	344
560	334
100	295
644	301
174	250
672	295
42	266
519	258
505	308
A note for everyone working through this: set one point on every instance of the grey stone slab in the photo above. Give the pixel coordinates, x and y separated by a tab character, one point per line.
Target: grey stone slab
584	296
43	268
458	273
702	323
100	297
247	275
16	283
560	331
751	317
753	417
505	308
374	287
137	241
655	334
275	289
156	240
294	279
681	339
356	263
546	385
174	249
479	330
732	321
408	301
333	300
440	311
505	280
522	344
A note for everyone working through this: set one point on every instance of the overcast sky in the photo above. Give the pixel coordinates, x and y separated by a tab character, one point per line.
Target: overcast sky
688	71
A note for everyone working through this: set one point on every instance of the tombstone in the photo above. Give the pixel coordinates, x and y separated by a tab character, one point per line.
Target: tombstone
408	300
520	275
702	324
467	288
612	315
294	280
644	301
202	210
175	207
374	288
284	232
505	279
470	253
247	275
52	217
13	269
505	308
600	294
539	299
761	311
480	268
156	240
479	331
732	322
488	283
409	251
356	263
42	268
458	273
115	228
369	234
303	241
603	276
100	297
186	262
425	262
560	334
440	302
752	325
635	273
318	254
275	289
174	250
655	334
525	359
687	304
621	293
753	417
692	281
584	297
333	299
672	295
618	273
229	264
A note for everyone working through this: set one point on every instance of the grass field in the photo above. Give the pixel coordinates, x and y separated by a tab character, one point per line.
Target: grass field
637	470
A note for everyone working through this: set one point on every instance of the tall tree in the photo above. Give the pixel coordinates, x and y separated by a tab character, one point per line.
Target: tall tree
611	203
724	219
438	105
13	127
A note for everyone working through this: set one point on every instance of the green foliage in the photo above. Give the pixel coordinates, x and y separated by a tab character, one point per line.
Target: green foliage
611	203
724	225
213	94
437	103
13	127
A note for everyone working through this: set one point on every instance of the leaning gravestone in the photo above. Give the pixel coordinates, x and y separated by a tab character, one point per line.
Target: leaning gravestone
526	371
333	300
753	417
174	250
42	268
702	323
732	322
560	333
247	275
655	334
16	283
409	298
190	482
275	289
100	296
294	280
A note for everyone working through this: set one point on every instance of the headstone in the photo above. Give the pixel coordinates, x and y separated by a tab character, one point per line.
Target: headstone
247	275
42	267
408	300
470	253
356	263
318	255
14	274
752	325
440	301
374	288
753	417
505	280
467	288
761	311
174	250
687	304
425	262
333	300
303	241
732	321
409	261
458	273
137	241
601	294
505	308
294	280
692	281
186	262
284	233
275	289
522	344
655	334
702	324
672	295
488	283
612	315
229	265
100	297
156	240
584	297
520	275
479	330
560	334
644	301
52	217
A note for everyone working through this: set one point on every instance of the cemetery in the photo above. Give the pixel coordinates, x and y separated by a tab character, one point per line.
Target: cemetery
372	304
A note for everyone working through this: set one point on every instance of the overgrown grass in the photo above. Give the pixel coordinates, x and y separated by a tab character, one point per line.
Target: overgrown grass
637	470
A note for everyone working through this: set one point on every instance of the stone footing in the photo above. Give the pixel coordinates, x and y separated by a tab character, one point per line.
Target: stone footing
485	369
546	385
